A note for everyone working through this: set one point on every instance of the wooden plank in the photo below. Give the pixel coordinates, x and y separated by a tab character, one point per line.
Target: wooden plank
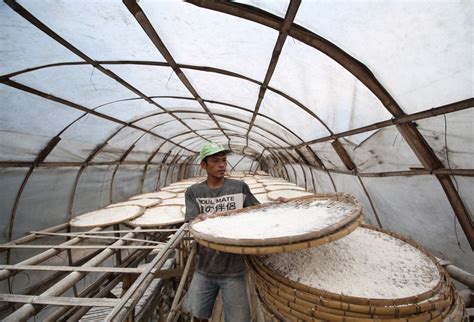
148	28
77	247
104	237
72	269
112	231
52	300
343	155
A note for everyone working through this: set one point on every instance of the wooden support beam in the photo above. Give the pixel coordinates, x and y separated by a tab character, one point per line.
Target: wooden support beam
100	269
459	208
105	232
53	300
440	110
28	310
134	293
78	247
342	153
142	19
90	236
283	34
36	234
182	282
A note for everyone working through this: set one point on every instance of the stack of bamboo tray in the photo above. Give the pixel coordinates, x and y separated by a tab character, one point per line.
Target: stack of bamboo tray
287	296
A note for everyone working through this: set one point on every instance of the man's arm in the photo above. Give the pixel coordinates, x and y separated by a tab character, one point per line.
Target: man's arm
192	207
250	199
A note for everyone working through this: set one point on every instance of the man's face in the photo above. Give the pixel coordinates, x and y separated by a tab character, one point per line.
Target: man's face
215	165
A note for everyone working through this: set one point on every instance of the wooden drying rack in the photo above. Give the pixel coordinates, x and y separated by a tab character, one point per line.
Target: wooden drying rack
130	246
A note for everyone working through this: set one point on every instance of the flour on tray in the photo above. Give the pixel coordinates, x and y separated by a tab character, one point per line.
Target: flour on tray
365	263
280	220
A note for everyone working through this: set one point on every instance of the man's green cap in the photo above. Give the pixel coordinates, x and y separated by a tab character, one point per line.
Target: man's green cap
211	148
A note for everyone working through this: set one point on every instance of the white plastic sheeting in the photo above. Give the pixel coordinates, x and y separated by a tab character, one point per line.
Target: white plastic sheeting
418	52
416	207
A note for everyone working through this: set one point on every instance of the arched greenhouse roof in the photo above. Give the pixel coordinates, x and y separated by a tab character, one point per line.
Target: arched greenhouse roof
101	100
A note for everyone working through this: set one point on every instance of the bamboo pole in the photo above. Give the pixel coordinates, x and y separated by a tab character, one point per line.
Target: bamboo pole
412	172
4	273
62	246
117	237
44	284
182	282
457	273
28	310
98	289
142	19
134	293
282	36
35	235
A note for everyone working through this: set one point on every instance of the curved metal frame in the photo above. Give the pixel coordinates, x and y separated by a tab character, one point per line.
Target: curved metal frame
285	26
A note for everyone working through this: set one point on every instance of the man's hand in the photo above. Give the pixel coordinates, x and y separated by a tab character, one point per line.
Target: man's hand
282	199
198	218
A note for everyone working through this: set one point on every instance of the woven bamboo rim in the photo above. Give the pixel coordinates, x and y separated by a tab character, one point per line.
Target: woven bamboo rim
321	299
268	314
457	311
80	222
365	309
361	300
176	189
136	202
352	215
320	304
266	250
163	223
154	195
256	191
271	188
313	314
279	183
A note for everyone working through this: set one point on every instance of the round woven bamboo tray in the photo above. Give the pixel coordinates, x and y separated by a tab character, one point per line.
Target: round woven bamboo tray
155	195
457	311
177	189
271	180
350	211
283	187
255	191
439	302
107	216
288	194
137	202
182	183
159	216
265	250
261	268
295	310
311	302
173	201
236	174
268	314
262	198
279	183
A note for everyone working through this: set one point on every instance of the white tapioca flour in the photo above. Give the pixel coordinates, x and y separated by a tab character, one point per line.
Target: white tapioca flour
365	263
276	221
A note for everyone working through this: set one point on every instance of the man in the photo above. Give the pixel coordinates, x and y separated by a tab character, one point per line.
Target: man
216	270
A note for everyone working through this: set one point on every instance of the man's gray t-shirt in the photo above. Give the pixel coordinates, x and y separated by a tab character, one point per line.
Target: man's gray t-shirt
234	194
